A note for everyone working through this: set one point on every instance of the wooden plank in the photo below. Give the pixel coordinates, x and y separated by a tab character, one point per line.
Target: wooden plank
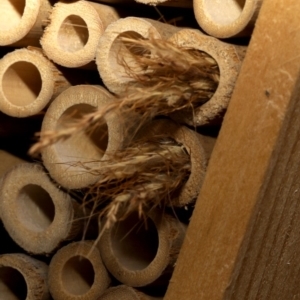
243	241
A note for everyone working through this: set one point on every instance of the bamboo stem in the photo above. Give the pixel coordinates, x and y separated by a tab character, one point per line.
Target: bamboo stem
64	159
111	49
229	59
28	81
73	34
227	18
23	277
76	271
37	215
123	292
142	252
21	22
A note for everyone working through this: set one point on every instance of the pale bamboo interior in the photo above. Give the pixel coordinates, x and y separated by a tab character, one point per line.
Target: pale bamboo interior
13	13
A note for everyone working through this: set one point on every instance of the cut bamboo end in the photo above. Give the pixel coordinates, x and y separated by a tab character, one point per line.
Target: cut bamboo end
64	160
139	253
28	81
8	161
112	54
76	271
229	59
191	142
123	292
36	214
21	21
23	277
224	19
73	34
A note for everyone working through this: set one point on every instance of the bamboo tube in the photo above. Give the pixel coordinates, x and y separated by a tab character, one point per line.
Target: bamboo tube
111	51
7	162
23	277
123	292
21	22
73	34
63	159
140	253
28	81
229	59
76	271
192	142
224	19
37	215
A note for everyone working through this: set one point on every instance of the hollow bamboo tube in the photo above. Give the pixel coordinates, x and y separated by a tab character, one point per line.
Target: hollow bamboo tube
36	214
123	292
8	161
224	19
28	81
229	59
111	50
22	21
192	142
138	253
64	159
76	271
73	34
23	277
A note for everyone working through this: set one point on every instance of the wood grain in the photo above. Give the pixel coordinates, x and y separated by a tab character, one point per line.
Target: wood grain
243	241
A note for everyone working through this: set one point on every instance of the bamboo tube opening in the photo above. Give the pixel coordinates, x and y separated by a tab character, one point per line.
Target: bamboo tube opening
12	284
36	209
224	12
21	83
14	10
78	275
73	34
134	242
75	147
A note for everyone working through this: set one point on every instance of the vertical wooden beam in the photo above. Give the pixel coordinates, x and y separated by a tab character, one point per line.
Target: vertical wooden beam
243	241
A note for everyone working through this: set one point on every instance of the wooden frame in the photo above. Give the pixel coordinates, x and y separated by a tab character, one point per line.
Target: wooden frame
243	241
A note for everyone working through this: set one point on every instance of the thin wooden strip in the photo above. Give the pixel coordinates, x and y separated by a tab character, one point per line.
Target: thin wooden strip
236	212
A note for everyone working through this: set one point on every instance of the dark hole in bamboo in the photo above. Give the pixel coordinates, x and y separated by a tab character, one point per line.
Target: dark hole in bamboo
78	275
22	83
12	284
135	242
36	209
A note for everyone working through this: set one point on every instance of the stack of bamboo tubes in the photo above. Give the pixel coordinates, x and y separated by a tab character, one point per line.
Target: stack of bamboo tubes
51	57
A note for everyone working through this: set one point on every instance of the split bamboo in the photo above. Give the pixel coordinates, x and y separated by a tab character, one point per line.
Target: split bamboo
224	19
76	272
28	81
23	277
229	59
73	34
123	292
36	214
22	22
112	54
142	252
64	159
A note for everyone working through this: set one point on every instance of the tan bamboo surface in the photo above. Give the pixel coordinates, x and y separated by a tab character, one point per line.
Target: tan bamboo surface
123	292
23	277
111	50
22	22
192	142
225	19
176	3
28	82
243	239
229	58
138	253
7	162
76	271
37	215
73	34
64	159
